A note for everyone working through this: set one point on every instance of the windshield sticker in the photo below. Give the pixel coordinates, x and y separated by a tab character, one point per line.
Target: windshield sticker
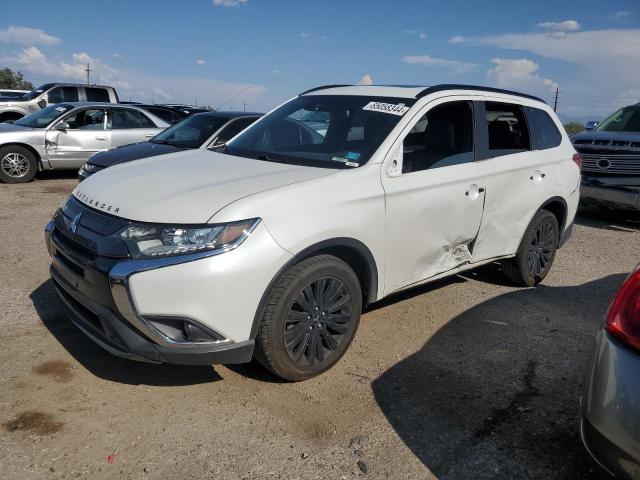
346	161
352	156
61	109
399	109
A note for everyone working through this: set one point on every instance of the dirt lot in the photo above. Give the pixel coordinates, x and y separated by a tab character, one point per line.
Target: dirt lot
466	378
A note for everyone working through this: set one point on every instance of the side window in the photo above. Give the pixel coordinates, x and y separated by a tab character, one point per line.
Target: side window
91	119
63	94
124	118
508	132
544	132
441	138
97	94
234	128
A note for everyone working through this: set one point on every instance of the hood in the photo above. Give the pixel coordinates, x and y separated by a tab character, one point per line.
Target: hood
135	151
11	128
584	137
186	187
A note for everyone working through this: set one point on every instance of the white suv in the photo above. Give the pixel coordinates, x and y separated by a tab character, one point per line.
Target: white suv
334	200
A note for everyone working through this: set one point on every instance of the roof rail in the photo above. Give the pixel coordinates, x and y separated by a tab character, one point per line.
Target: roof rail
323	87
453	86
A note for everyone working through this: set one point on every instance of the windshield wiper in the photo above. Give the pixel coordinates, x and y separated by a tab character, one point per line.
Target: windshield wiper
164	142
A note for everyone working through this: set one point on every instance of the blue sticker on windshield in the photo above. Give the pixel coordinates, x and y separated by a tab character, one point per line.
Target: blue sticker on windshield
352	156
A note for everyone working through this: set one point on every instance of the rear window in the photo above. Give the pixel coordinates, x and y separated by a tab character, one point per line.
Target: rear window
97	94
544	132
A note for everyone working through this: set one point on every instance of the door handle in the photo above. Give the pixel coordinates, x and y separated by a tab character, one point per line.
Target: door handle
473	192
537	176
101	138
149	135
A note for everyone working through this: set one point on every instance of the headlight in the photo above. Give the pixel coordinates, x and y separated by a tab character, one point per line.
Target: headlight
89	168
145	241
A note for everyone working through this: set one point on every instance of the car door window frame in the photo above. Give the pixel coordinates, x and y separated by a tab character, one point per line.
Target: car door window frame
398	142
110	120
482	125
75	112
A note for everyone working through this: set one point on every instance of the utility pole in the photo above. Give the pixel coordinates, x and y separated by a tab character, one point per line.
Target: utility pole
555	102
244	105
88	70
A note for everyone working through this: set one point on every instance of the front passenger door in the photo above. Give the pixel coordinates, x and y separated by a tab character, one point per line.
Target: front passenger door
434	199
85	136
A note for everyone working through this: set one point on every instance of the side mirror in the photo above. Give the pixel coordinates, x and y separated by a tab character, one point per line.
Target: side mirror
62	126
42	103
591	125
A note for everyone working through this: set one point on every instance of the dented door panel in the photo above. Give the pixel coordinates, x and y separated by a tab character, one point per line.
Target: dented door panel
433	219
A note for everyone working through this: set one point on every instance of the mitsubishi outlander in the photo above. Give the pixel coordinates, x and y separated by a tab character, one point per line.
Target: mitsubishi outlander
272	245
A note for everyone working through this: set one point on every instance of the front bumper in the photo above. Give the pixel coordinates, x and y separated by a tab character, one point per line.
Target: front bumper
610	423
114	301
612	192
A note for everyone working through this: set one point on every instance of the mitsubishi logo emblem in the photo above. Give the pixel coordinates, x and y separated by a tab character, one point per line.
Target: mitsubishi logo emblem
73	226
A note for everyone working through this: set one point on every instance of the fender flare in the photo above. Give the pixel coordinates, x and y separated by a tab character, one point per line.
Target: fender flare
323	246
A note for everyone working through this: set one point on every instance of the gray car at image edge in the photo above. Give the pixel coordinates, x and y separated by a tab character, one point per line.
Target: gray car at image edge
610	425
65	135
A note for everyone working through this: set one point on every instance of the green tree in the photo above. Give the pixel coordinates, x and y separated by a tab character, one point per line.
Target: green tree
573	127
13	80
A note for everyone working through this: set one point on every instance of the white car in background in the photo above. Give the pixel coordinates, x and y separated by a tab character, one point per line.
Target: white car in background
272	246
65	135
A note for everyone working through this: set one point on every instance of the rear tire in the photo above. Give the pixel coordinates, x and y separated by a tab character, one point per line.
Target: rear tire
310	319
17	164
536	252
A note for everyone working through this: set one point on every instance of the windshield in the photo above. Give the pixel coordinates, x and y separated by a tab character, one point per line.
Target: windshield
334	131
34	93
44	117
626	119
191	132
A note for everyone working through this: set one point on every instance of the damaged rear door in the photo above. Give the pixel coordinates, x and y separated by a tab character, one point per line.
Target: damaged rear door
434	198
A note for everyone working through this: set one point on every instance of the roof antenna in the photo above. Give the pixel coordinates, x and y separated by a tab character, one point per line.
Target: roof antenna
241	91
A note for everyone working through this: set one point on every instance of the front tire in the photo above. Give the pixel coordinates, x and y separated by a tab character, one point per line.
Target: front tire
536	252
310	319
17	164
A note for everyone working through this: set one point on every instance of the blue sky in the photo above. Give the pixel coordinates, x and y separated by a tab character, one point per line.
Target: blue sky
270	50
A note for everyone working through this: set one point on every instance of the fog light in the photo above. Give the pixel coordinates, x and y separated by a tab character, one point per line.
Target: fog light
184	330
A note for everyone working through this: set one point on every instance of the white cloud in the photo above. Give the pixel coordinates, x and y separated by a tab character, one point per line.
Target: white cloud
201	62
117	55
276	72
519	74
457	39
415	33
27	36
565	26
304	35
228	3
605	61
621	15
453	65
366	80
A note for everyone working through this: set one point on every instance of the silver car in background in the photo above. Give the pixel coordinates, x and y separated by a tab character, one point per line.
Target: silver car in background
64	135
610	426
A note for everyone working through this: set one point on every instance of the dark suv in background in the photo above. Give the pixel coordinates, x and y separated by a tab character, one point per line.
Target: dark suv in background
611	161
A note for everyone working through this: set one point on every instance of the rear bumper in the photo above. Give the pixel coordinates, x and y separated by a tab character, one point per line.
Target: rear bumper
592	190
610	424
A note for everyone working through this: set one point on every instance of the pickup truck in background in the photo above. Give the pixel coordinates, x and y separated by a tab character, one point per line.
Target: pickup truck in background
12	109
611	161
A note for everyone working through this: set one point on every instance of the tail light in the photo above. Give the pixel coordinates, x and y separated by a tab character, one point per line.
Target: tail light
623	317
577	158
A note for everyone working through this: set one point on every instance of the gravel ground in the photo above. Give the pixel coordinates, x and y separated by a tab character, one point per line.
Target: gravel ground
464	378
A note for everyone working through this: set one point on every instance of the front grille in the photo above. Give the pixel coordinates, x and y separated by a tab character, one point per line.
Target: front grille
610	164
69	264
77	245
